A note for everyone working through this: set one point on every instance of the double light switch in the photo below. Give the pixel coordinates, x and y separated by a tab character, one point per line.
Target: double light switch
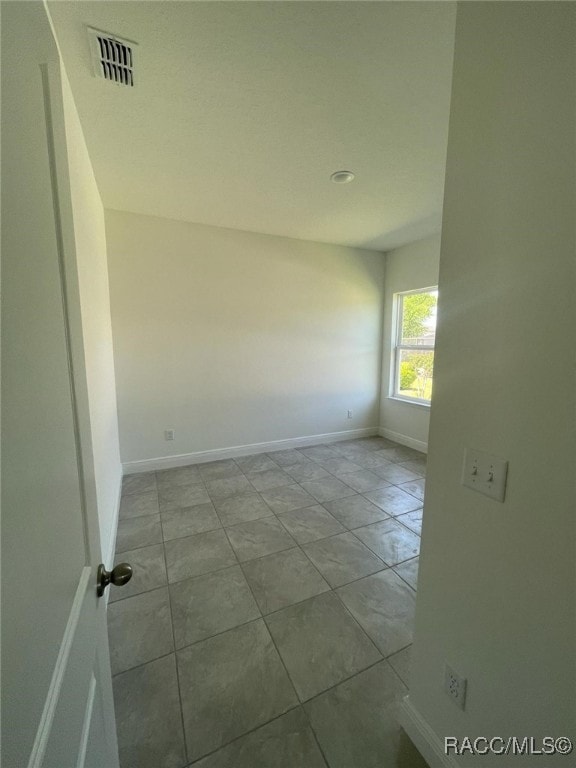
485	473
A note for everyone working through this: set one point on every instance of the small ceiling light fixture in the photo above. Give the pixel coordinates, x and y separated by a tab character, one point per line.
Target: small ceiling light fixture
342	177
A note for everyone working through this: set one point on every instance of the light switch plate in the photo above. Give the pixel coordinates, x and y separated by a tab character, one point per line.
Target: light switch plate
485	473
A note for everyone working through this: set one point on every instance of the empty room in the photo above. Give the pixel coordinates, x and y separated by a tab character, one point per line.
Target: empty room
288	403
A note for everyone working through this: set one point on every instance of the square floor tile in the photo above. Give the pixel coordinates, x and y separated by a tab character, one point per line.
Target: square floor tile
259	538
148	571
390	454
287	458
356	723
306	471
282	579
143	482
412	520
148	718
178	476
350	451
391	541
288	497
327	488
409	571
384	606
396	474
417	466
139	629
403	453
355	511
310	524
364	480
319	452
136	532
181	496
415	488
400	663
373	461
195	555
190	520
210	604
258	462
393	500
320	644
342	558
287	742
269	478
230	684
242	508
138	505
339	466
228	486
218	470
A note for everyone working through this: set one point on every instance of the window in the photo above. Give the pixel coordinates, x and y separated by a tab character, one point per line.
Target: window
413	344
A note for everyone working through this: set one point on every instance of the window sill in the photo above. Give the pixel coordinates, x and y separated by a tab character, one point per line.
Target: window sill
409	401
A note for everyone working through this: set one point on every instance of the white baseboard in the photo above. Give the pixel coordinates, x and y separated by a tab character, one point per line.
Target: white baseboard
410	442
201	457
425	739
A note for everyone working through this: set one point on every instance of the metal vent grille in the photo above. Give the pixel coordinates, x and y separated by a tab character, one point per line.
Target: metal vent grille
112	57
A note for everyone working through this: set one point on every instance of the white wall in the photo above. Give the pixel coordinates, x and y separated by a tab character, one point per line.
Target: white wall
92	266
407	268
233	338
496	588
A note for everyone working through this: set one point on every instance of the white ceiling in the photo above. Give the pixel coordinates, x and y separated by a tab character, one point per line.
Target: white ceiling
242	110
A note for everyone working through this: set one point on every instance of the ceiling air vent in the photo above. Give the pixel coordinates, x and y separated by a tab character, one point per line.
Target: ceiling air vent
112	57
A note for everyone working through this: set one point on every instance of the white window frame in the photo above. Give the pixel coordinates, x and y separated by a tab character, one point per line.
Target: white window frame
398	348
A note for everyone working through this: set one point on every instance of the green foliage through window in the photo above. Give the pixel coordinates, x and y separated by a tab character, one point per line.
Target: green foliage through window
407	375
414	344
417	311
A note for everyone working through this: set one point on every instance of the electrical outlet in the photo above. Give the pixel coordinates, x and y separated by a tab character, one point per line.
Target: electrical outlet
455	686
169	434
349	414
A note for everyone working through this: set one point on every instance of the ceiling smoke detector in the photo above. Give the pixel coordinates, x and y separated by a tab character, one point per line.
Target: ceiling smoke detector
342	177
112	57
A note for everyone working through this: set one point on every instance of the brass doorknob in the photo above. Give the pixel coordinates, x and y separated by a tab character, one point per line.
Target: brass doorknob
119	575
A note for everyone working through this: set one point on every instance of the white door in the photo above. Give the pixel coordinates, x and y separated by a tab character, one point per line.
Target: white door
57	707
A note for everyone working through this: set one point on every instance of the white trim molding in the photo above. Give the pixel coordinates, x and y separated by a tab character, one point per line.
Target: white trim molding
60	668
201	457
87	723
425	739
410	442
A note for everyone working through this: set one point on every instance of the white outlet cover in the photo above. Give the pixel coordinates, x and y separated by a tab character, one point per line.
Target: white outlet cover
485	473
455	686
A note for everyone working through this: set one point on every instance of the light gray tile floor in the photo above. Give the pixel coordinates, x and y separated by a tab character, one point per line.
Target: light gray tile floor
269	619
187	521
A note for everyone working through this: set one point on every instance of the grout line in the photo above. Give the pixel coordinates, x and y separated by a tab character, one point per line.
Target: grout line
143	664
178	684
371	548
313	732
381	660
252	730
270	635
223	631
355	620
409	645
404	580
